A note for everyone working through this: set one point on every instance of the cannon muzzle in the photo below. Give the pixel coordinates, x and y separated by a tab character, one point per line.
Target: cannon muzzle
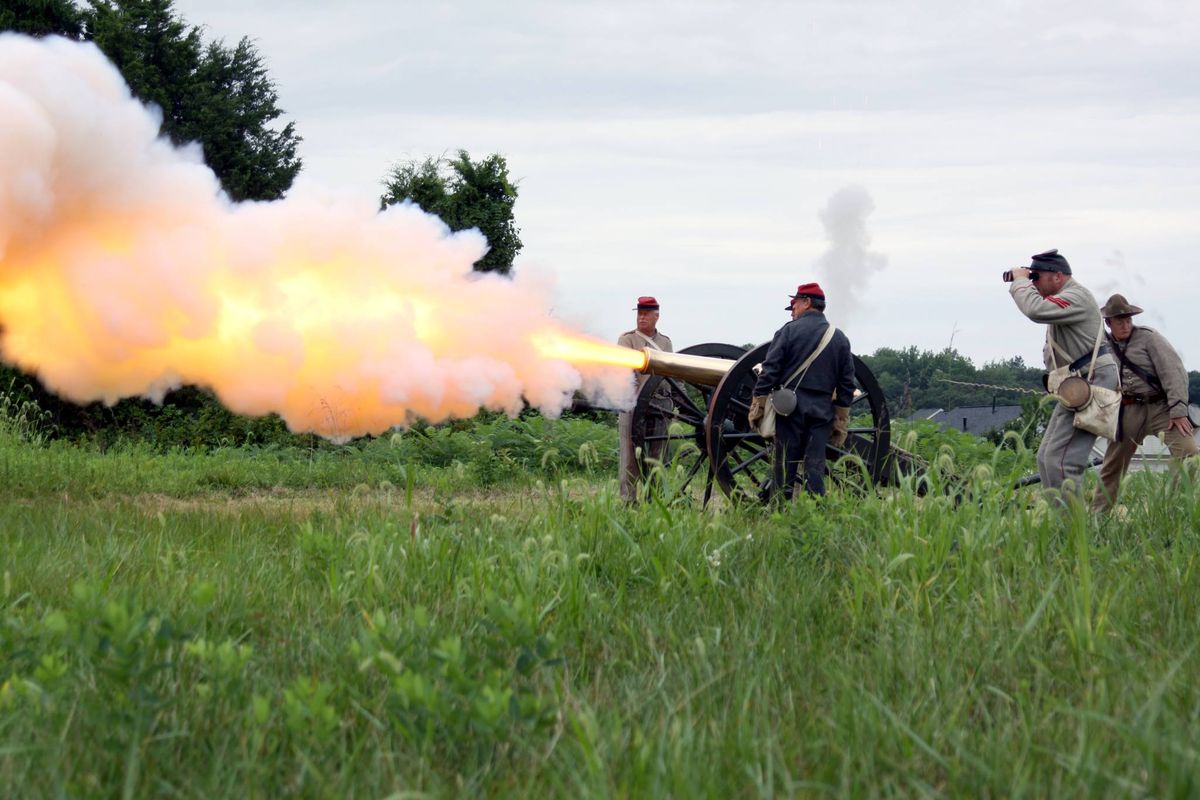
693	369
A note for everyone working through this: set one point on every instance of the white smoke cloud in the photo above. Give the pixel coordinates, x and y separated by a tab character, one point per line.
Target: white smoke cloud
846	267
124	270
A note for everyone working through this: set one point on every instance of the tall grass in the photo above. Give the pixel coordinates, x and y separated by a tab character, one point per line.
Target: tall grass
370	622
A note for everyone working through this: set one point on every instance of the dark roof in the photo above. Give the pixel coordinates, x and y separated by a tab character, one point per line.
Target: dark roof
977	420
922	414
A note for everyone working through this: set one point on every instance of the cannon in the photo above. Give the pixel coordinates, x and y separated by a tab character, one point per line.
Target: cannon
692	412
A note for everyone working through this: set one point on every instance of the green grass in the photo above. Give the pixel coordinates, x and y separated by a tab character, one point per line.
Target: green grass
390	620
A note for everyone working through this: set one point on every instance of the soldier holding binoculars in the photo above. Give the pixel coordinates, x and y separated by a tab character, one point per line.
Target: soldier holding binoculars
1046	293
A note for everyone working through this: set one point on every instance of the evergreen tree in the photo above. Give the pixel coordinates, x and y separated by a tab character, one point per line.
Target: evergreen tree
232	117
41	17
214	95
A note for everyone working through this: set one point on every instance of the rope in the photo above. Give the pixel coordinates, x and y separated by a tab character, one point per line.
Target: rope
992	386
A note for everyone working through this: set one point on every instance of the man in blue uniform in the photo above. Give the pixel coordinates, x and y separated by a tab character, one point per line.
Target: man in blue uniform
823	392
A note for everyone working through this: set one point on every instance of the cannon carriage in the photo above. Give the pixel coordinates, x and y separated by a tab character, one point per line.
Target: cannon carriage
692	412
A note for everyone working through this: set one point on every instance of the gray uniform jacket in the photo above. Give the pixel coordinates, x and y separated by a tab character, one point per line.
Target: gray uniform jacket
1072	316
633	340
1152	353
793	343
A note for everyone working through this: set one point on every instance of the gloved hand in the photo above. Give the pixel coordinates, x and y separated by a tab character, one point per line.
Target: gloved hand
841	426
758	407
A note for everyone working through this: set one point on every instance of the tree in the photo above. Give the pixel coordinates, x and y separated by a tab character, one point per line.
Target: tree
214	95
41	17
232	118
913	379
217	96
465	194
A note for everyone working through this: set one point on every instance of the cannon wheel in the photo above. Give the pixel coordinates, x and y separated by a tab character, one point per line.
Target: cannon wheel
741	459
677	434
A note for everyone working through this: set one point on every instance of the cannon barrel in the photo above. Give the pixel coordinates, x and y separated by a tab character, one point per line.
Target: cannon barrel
703	370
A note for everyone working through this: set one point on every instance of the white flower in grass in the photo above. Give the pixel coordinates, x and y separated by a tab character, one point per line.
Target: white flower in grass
714	559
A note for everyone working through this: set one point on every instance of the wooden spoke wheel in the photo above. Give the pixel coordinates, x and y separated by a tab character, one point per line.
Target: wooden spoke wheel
670	418
741	459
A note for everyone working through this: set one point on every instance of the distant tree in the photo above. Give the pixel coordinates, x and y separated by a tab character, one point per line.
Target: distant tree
465	194
41	17
912	379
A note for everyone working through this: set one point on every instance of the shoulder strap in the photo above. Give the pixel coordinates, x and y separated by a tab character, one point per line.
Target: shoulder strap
1152	380
800	370
1054	348
649	341
1096	350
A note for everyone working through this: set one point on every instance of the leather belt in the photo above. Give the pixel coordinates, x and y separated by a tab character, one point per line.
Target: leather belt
1141	399
1086	358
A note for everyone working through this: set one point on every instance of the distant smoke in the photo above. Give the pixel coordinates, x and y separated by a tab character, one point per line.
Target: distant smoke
1127	281
1126	276
846	266
125	271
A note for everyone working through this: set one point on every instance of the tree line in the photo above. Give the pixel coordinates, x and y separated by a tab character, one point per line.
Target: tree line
913	379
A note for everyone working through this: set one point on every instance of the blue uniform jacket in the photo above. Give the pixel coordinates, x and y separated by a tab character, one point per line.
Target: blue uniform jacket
832	371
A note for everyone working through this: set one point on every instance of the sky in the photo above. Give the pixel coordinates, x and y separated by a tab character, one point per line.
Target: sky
718	154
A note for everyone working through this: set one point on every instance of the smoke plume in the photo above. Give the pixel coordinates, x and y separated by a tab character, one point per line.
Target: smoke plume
847	265
125	271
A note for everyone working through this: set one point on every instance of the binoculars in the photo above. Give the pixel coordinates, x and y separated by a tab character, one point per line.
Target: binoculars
1007	276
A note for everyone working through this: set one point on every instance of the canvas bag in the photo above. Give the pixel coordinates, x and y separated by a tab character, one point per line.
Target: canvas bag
1100	411
782	401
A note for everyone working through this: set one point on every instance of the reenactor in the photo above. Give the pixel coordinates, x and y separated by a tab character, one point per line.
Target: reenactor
1154	397
1046	293
823	390
645	335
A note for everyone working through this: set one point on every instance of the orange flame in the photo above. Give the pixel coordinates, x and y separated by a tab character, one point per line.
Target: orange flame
575	349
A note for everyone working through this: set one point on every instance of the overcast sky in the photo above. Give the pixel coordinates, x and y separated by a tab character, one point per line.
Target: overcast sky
688	150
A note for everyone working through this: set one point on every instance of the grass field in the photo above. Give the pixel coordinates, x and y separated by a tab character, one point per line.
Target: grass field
376	621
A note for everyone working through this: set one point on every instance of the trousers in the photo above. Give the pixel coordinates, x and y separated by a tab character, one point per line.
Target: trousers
800	438
631	471
1066	450
1137	422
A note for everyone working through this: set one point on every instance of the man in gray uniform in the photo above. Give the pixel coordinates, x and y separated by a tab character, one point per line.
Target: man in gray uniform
1154	397
1048	294
645	335
823	392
